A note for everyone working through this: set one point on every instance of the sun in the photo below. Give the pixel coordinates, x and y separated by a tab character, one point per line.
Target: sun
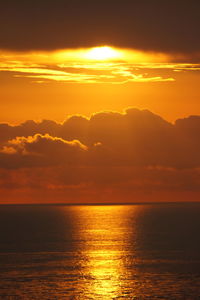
103	53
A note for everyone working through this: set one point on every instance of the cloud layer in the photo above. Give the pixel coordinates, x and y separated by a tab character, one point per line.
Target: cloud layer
73	67
166	26
117	152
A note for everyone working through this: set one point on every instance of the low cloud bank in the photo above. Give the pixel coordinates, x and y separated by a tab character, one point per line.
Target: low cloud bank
116	152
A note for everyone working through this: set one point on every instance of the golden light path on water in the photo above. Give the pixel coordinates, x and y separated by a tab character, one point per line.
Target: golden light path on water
100	252
104	251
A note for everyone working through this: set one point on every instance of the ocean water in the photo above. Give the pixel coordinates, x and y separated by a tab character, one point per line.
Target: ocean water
100	252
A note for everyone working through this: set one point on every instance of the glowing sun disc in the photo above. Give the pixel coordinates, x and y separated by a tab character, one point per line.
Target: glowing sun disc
102	53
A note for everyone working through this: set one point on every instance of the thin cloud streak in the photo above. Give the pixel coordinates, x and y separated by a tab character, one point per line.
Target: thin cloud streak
66	67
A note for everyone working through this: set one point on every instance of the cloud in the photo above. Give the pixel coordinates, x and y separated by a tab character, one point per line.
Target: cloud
171	26
40	150
40	67
98	184
135	137
118	153
71	66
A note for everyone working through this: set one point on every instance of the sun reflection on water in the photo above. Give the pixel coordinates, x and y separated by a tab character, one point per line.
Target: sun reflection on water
104	249
100	252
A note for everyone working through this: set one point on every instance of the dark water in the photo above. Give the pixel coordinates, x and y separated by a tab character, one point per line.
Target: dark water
100	252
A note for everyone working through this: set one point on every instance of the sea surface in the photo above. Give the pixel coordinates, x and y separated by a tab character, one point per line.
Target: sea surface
149	251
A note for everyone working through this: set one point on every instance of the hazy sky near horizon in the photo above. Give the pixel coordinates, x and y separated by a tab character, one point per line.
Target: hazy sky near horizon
95	59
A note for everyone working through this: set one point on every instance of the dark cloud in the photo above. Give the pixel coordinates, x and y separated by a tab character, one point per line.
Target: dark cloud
40	150
136	137
99	184
168	26
111	152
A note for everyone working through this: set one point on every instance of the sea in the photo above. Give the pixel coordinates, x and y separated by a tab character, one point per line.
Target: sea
139	251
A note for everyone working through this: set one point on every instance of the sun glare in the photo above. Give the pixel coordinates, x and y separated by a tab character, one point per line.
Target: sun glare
103	53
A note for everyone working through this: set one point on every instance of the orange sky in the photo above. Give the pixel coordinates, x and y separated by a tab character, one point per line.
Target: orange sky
52	85
110	133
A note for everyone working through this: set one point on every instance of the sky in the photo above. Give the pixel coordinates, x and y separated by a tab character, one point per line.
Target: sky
99	101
